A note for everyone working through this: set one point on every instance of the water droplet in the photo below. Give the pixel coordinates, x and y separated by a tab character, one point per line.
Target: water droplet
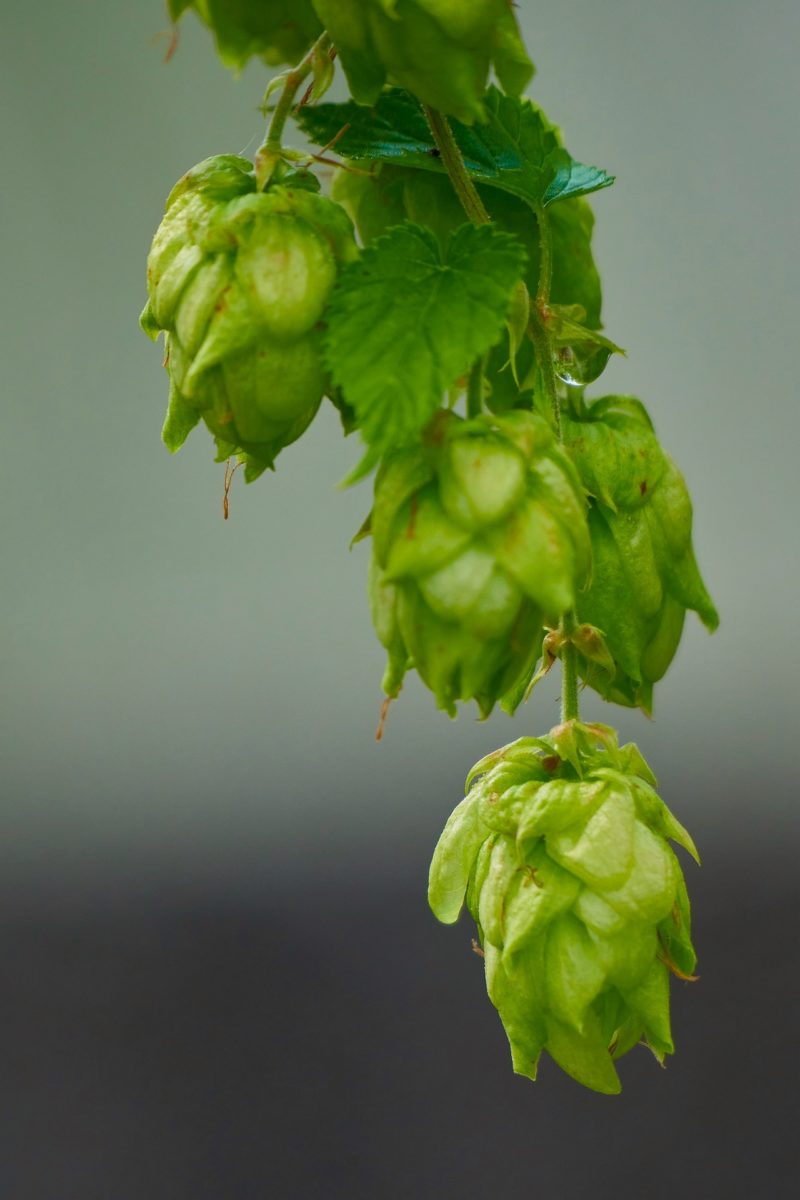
567	367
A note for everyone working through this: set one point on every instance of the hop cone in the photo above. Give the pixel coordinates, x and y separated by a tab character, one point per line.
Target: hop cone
441	50
644	573
278	31
561	847
479	537
239	280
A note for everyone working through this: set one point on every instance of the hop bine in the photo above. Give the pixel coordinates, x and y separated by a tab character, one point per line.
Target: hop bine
239	279
561	848
479	538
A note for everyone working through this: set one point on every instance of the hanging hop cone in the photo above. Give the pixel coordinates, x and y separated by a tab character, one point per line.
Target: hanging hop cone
239	279
479	537
561	848
442	52
277	31
644	572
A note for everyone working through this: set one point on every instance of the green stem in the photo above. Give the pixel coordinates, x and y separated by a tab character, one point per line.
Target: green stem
292	81
537	332
545	258
453	163
570	709
475	390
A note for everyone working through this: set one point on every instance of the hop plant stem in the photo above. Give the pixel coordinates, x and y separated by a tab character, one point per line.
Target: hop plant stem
270	152
570	709
454	165
475	390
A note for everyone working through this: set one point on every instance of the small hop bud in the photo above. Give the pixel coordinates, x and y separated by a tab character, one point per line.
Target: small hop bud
644	573
238	279
561	851
479	538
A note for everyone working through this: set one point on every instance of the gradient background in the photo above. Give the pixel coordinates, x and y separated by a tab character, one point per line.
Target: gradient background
220	978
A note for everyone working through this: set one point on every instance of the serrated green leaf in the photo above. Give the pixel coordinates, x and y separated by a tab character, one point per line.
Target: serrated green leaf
516	150
407	320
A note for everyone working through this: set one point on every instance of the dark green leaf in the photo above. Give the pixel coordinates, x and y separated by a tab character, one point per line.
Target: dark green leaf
516	150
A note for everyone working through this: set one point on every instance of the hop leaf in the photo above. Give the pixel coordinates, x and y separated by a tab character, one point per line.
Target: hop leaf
408	319
561	851
514	150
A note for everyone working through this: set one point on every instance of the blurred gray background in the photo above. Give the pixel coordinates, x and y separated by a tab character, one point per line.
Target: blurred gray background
195	817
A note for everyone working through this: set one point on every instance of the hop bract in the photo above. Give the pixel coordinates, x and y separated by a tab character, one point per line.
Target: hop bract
479	538
239	279
277	31
644	572
441	50
561	848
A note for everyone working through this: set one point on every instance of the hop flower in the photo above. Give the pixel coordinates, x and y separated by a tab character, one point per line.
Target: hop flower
239	280
644	572
441	50
479	537
277	31
561	848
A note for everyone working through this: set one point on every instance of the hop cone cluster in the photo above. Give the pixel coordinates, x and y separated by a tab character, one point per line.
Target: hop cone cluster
644	572
479	538
561	848
239	279
277	31
441	50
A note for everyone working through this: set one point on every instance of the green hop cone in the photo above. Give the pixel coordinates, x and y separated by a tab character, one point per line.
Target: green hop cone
239	279
441	50
561	849
479	539
277	31
644	572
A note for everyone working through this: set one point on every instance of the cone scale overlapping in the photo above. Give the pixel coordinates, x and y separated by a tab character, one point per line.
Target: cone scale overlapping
561	849
239	279
644	572
479	538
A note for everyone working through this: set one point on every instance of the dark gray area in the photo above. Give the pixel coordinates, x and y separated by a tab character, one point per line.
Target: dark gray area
336	1042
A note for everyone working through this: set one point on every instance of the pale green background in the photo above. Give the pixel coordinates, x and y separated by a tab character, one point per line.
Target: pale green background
188	702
